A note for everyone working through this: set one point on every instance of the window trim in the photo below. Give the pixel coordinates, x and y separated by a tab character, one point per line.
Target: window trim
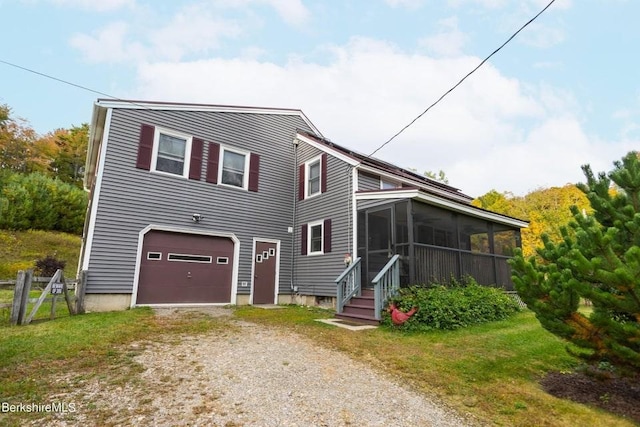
245	172
309	227
187	151
307	176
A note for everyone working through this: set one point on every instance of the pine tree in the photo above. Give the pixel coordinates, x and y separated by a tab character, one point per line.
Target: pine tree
597	260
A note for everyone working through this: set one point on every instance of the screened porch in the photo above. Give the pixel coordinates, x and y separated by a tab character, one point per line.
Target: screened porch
436	244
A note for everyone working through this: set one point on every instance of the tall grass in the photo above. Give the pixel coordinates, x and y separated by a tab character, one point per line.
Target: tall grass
19	250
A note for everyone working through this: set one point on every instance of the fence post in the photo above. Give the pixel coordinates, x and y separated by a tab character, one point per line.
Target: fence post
21	296
17	298
80	288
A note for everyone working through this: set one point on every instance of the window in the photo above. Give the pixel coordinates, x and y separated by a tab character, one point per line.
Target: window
171	152
189	258
234	168
313	180
388	184
315	238
312	177
154	255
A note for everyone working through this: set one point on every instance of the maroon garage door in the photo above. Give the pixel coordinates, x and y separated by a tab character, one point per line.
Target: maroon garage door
185	268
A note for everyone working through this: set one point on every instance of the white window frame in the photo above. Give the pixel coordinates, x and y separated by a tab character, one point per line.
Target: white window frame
187	150
309	227
388	184
245	175
307	176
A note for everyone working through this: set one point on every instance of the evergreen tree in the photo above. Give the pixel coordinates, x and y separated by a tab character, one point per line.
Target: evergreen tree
598	259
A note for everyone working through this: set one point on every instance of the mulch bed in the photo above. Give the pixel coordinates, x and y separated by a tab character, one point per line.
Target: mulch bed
620	396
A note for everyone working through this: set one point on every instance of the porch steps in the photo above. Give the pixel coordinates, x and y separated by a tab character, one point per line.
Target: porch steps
360	309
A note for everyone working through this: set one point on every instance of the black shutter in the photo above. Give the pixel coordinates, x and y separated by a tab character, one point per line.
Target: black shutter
254	172
301	182
327	236
303	239
195	167
145	147
212	162
323	174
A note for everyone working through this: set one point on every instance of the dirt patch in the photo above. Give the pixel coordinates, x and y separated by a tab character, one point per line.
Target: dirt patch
620	396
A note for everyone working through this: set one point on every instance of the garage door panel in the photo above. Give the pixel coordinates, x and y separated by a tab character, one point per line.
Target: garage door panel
182	280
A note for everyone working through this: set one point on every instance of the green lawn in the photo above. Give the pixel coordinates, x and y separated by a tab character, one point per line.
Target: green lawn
19	250
489	371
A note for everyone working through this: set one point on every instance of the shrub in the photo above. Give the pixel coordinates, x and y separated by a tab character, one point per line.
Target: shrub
452	307
47	266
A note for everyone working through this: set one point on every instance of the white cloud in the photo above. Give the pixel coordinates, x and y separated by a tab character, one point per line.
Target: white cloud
109	44
448	41
409	4
292	12
95	5
492	132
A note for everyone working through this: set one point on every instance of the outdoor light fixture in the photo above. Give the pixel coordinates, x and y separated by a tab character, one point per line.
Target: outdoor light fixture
196	217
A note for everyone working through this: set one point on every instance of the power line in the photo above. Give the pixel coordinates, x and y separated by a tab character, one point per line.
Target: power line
66	82
462	79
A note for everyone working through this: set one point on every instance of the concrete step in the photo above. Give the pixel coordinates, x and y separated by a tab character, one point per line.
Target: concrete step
358	318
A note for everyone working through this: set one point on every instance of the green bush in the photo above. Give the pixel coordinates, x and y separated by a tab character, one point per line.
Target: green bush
452	307
35	201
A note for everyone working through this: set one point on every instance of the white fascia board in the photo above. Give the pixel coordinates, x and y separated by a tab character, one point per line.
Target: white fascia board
96	135
443	203
142	105
349	160
393	177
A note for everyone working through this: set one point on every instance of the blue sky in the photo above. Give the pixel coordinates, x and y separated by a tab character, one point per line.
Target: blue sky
563	93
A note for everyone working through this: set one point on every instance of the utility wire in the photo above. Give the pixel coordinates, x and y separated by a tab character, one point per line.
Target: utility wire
461	80
66	82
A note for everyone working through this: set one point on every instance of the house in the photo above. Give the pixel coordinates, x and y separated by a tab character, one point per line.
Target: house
207	204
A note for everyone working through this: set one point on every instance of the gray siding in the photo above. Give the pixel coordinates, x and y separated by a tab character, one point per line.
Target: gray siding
315	274
130	199
367	181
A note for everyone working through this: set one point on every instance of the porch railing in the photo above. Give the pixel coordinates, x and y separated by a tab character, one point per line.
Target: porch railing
386	284
348	284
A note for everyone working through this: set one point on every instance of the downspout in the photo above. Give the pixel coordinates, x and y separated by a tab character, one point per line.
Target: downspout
293	288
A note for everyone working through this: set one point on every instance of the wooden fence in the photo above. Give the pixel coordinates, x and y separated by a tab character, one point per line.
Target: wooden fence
55	286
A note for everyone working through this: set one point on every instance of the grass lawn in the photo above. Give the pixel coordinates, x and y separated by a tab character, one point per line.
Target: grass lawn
86	346
19	250
490	371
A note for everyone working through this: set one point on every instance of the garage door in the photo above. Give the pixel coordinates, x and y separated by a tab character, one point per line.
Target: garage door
179	268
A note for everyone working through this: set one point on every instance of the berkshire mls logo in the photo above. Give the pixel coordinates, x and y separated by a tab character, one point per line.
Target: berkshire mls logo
61	407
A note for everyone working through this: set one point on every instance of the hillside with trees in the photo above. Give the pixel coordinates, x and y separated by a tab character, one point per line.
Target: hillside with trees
41	176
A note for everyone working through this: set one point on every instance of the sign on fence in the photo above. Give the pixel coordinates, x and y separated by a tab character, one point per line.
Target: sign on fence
57	288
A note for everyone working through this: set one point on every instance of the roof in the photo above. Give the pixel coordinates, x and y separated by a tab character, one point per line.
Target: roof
386	169
102	105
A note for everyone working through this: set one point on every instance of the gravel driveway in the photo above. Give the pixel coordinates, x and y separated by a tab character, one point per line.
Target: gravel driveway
256	376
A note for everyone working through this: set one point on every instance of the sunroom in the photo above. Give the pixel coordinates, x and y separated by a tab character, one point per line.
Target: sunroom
436	239
408	236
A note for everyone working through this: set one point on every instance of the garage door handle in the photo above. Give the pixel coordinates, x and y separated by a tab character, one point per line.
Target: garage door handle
188	275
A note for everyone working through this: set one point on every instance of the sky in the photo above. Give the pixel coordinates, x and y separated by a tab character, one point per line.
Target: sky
563	93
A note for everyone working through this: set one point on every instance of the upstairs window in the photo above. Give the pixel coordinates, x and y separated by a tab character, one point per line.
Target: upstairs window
171	154
313	182
234	168
312	177
386	184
